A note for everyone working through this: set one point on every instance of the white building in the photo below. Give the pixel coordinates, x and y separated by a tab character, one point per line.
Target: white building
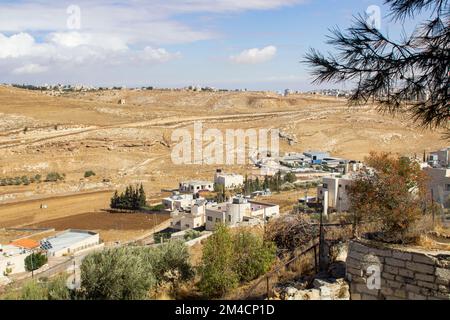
237	211
193	218
12	260
178	201
439	184
228	180
440	158
337	188
195	186
70	242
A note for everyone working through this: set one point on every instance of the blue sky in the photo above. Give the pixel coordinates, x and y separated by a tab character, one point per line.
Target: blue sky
254	44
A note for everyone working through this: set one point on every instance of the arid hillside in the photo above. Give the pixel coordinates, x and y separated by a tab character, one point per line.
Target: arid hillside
131	142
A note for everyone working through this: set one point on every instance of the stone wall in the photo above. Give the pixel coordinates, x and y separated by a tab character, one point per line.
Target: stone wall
383	272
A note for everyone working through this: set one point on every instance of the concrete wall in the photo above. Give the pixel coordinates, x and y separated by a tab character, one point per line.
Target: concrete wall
403	273
439	182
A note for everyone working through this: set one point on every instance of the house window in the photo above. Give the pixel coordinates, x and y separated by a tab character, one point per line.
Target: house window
340	186
229	218
447	187
217	220
325	186
210	219
187	226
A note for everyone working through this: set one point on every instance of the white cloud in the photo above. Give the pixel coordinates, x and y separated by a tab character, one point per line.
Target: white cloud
157	55
255	55
30	69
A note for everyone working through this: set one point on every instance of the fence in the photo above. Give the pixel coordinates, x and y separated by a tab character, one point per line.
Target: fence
307	261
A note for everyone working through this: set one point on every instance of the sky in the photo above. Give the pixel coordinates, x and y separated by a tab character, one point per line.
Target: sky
253	44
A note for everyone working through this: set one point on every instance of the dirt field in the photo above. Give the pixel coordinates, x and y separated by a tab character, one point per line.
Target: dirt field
131	143
111	226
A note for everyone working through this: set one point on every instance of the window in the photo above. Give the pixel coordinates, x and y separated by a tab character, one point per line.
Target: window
187	226
210	219
340	186
325	186
217	219
447	187
229	218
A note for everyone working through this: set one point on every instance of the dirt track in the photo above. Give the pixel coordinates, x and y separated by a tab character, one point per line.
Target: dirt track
130	144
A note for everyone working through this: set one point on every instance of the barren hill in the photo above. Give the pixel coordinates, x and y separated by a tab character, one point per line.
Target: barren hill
131	142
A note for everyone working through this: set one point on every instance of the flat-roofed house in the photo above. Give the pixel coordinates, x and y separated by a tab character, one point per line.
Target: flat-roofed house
228	180
70	242
439	184
195	186
337	187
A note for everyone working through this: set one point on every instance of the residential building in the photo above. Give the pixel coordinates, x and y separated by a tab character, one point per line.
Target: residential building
70	242
228	180
440	158
195	186
439	184
12	259
337	189
193	218
178	201
237	211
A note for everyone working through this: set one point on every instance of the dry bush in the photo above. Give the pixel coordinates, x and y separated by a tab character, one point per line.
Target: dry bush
291	231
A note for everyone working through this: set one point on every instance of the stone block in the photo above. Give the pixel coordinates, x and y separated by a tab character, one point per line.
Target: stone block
420	267
395	262
356	246
428	285
368	297
424	277
390	269
355	296
406	273
402	255
388	276
425	259
442	273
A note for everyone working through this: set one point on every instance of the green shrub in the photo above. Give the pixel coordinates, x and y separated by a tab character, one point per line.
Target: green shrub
132	272
89	173
230	259
34	261
53	177
191	234
254	256
217	273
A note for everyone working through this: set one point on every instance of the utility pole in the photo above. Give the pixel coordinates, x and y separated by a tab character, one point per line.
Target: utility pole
32	264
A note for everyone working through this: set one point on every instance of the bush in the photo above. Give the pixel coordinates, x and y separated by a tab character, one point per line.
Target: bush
89	173
393	195
191	234
34	261
217	273
115	274
161	237
53	177
254	256
54	289
228	260
132	272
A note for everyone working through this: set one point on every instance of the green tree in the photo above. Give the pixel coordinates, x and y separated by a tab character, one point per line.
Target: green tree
115	274
411	74
217	273
253	255
34	261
